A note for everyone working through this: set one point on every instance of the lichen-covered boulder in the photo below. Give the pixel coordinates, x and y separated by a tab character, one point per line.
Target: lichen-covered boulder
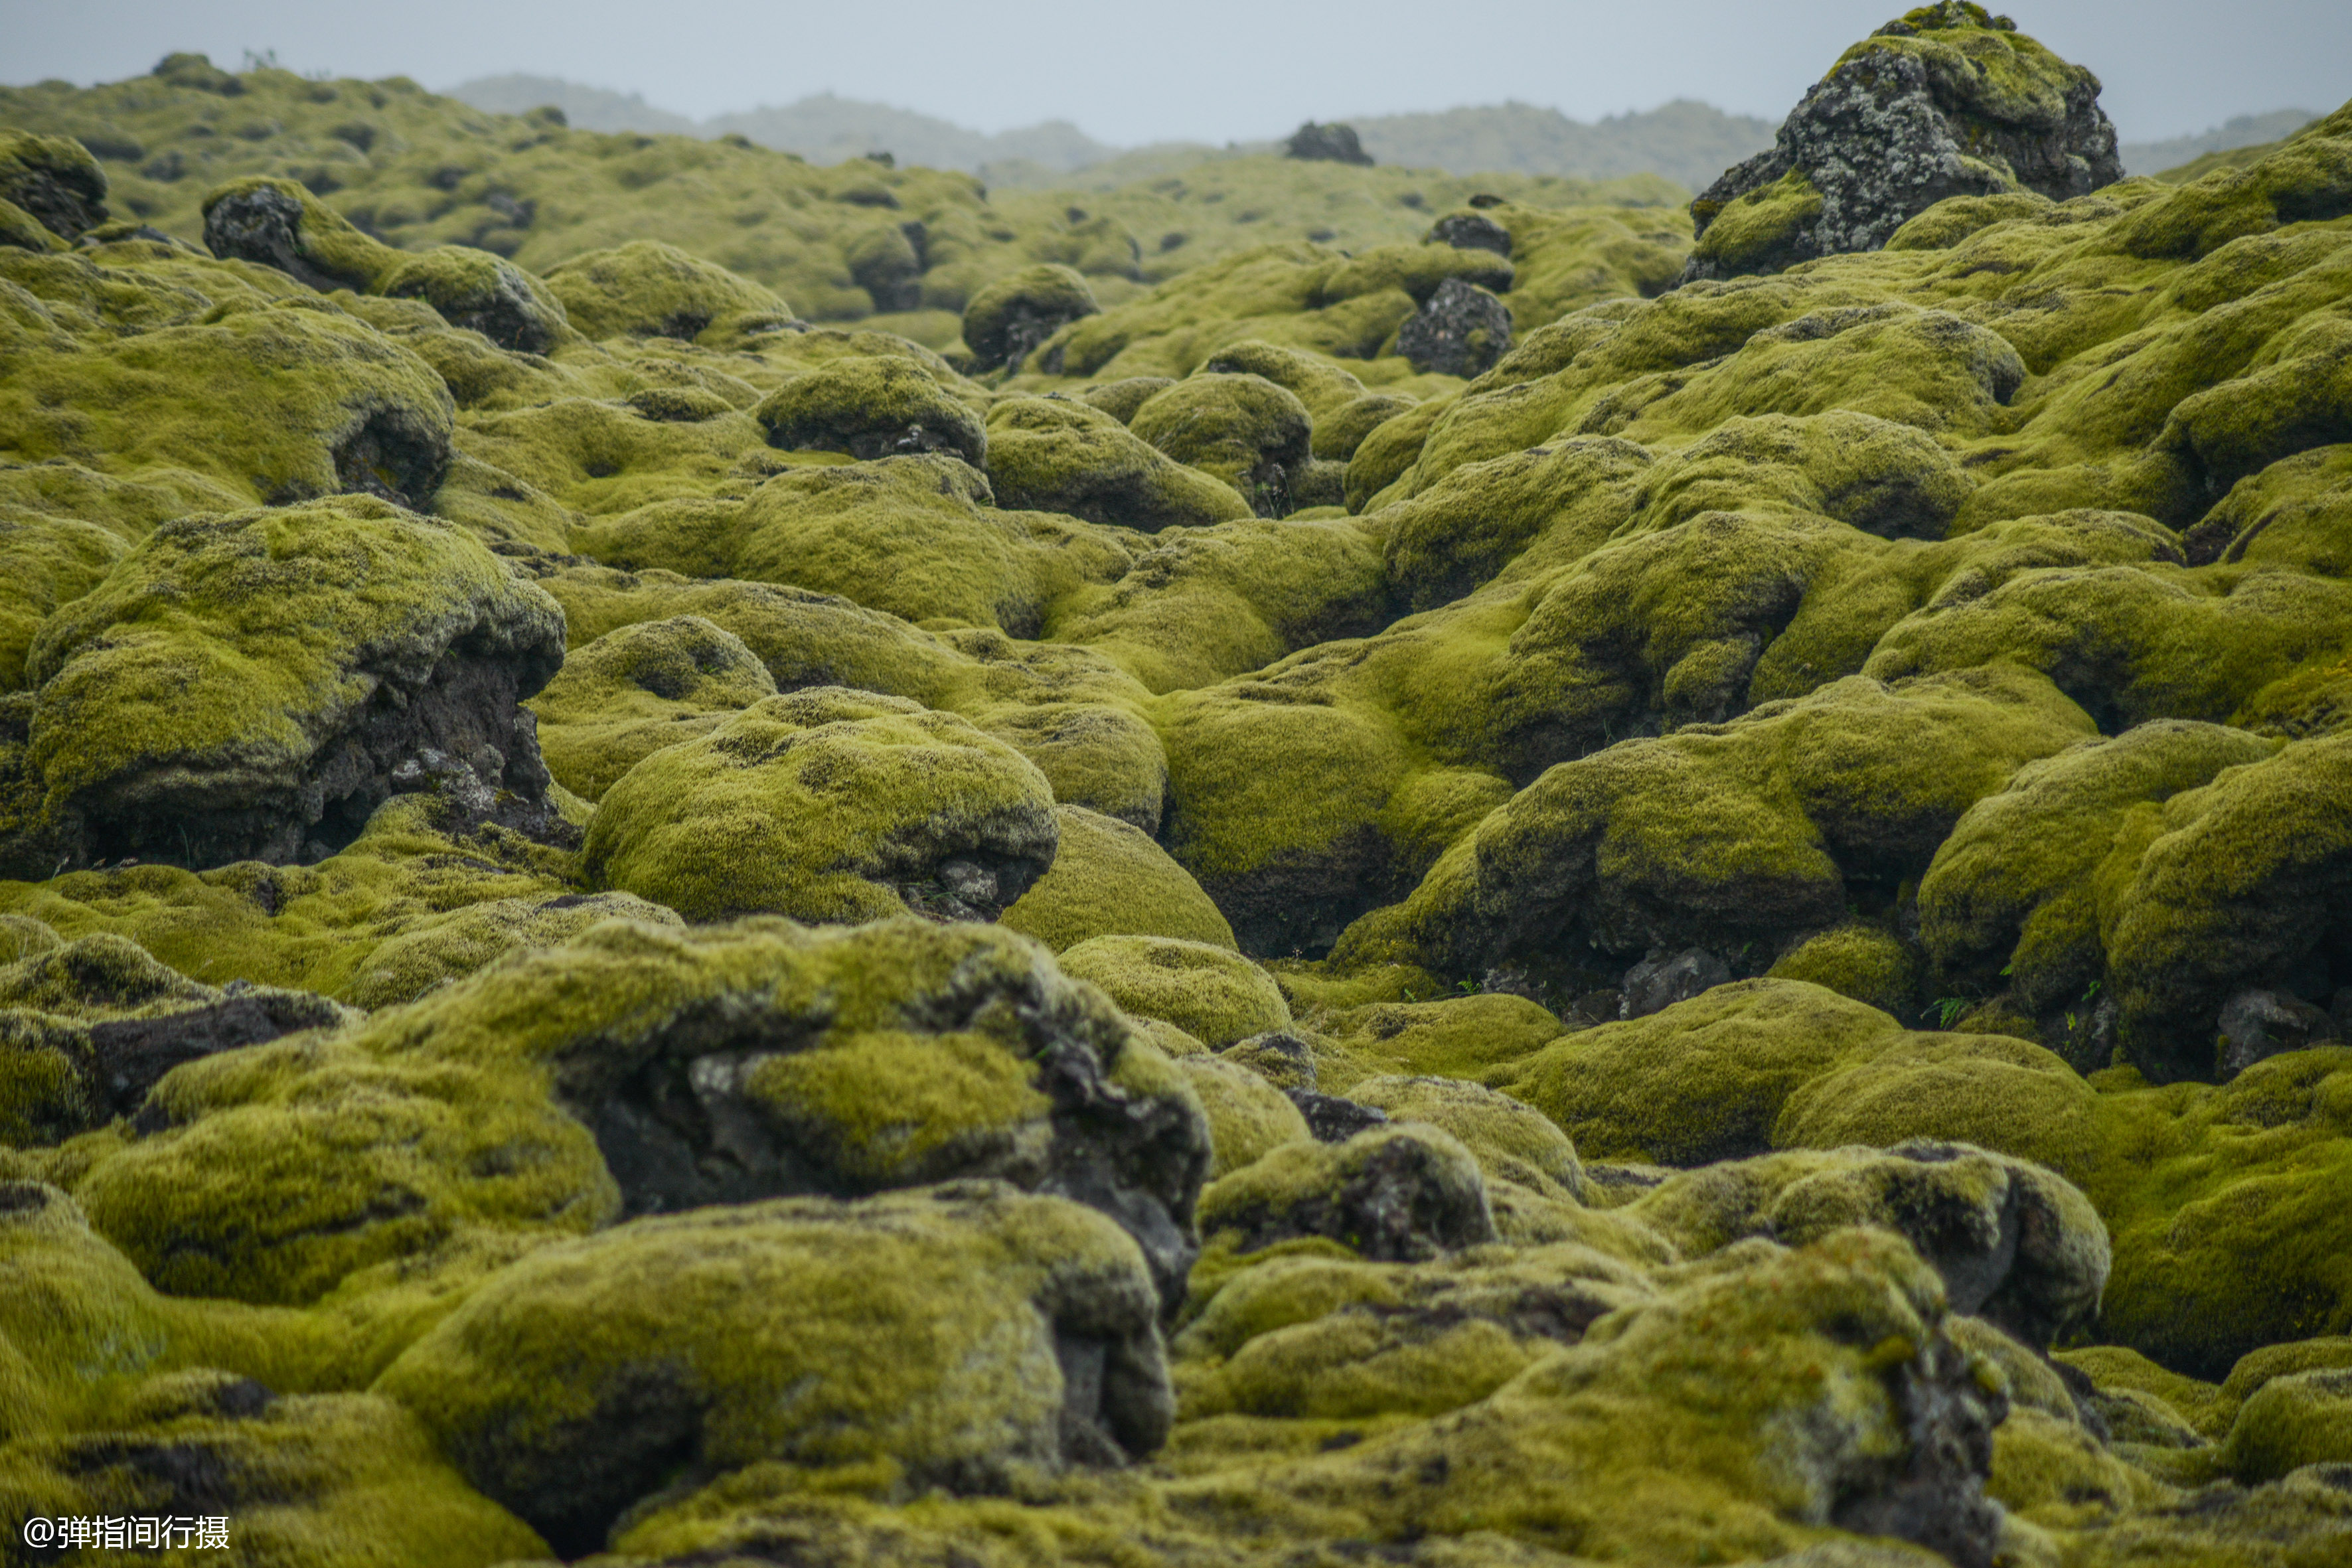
54	180
649	289
2017	1245
1244	429
1881	1426
634	690
252	686
1462	331
88	1027
1402	1192
298	399
1056	455
964	1334
828	804
279	223
1205	989
1109	879
1947	100
1248	1117
480	293
872	407
1007	319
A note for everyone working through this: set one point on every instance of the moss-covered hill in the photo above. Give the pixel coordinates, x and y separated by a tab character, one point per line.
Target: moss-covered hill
840	243
1426	902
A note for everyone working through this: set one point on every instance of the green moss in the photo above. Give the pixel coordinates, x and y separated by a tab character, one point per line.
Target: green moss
871	407
1009	318
1208	991
634	690
827	805
2302	1418
316	927
435	952
649	289
1511	1142
1761	231
1061	456
278	222
275	403
1859	960
476	291
47	562
526	1386
1243	428
1109	879
1402	1192
1248	1117
1478	1038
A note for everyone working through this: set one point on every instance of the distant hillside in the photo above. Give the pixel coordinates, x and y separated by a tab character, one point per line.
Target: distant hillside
2230	135
585	108
1688	141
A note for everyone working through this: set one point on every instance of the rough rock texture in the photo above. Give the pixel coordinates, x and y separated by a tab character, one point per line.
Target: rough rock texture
1948	101
252	686
1462	330
1332	143
1723	942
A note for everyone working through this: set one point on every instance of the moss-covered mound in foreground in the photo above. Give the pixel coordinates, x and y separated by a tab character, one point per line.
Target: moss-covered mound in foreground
711	861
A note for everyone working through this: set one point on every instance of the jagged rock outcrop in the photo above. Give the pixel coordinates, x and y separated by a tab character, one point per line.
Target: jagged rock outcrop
1947	100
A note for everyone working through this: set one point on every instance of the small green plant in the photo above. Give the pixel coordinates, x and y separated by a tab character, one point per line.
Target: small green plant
1948	1008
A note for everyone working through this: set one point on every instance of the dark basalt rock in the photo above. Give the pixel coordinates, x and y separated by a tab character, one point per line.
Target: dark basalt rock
1471	231
1462	331
55	179
1333	143
1661	980
1333	1120
264	225
1952	102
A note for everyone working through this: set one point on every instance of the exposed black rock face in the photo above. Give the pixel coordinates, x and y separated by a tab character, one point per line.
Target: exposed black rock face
1463	331
55	180
1332	143
1948	101
264	225
1471	231
1333	1120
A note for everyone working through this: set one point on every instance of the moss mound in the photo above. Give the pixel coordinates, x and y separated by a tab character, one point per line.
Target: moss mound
827	805
1731	918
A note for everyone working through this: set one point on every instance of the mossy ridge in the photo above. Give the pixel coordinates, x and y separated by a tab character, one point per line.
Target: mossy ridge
319	927
2189	1206
414	170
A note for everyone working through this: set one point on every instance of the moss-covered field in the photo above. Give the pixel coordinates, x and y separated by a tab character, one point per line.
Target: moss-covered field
709	861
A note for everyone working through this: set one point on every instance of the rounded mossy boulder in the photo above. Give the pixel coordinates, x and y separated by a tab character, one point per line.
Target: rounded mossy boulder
649	289
1110	878
476	291
828	804
964	1335
53	180
872	406
639	689
1243	429
1008	318
279	224
1209	991
45	561
252	685
1860	959
2017	1245
1058	455
1511	1142
435	951
2302	1418
1248	1117
1403	1192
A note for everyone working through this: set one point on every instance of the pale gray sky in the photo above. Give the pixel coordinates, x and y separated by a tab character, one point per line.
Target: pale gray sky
1204	69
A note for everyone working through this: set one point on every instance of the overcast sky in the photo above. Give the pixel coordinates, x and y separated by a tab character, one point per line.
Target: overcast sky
1204	69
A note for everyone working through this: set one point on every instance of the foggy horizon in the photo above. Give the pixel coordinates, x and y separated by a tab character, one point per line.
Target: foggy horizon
1017	64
